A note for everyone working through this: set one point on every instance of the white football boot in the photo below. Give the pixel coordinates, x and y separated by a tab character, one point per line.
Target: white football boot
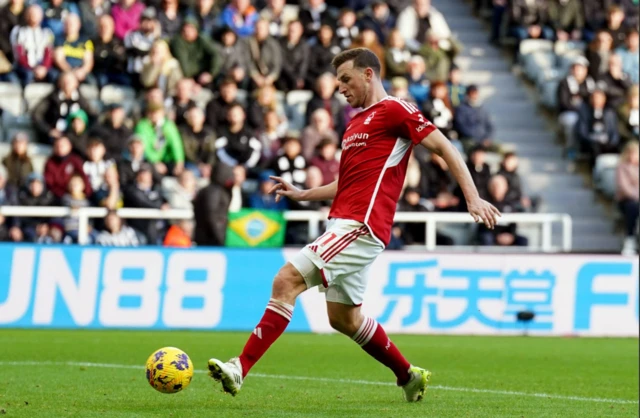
229	374
416	387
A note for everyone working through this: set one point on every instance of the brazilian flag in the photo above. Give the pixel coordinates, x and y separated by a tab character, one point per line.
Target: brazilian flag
256	229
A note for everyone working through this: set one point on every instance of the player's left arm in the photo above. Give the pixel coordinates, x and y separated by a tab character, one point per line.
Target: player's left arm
481	210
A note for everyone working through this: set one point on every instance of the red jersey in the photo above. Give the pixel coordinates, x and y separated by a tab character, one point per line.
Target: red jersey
375	152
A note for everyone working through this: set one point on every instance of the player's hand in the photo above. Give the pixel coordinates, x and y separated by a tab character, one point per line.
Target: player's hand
283	188
483	211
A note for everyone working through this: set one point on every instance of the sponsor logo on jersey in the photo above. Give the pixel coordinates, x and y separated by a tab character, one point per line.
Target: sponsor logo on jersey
368	119
423	126
354	140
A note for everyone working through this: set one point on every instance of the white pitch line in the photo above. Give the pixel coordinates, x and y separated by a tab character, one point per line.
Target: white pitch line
330	380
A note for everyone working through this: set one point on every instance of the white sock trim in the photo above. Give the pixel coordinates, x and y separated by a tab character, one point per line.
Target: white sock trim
281	308
366	331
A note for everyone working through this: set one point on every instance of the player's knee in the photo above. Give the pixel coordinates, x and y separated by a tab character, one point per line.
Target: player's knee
344	324
288	284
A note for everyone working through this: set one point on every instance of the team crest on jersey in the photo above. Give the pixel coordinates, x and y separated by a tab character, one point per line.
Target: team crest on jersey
368	119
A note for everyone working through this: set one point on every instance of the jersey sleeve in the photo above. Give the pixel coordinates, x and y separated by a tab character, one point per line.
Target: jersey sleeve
411	123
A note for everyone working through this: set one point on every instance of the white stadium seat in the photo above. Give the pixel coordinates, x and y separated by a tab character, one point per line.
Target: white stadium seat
35	92
118	94
296	107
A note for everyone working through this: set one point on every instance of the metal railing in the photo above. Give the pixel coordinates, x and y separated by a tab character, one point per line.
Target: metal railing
314	219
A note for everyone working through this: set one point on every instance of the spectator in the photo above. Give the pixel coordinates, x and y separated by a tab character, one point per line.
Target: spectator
615	20
437	185
74	199
595	12
438	110
116	233
8	193
318	130
11	15
50	116
196	54
160	69
108	195
179	234
326	161
414	233
96	165
55	13
265	101
199	143
170	18
32	47
630	57
34	194
138	42
109	56
457	90
324	98
414	21
380	19
295	59
73	52
17	162
262	198
91	11
77	132
265	56
132	160
502	235
162	143
437	61
236	144
400	89
207	13
182	101
480	173
235	58
289	163
515	196
629	116
61	166
347	30
566	17
631	13
239	195
616	82
472	122
279	17
9	232
396	55
597	127
211	206
240	16
573	91
270	136
218	108
418	82
181	195
128	16
143	194
598	55
316	15
368	39
530	20
627	194
113	132
321	55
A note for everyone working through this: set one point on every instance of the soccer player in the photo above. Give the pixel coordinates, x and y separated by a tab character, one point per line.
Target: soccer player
375	151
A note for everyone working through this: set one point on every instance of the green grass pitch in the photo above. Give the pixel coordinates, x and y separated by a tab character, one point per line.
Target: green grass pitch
101	374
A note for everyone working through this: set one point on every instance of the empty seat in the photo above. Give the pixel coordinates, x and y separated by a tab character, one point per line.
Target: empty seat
529	46
34	93
11	101
603	168
203	97
89	92
296	107
118	94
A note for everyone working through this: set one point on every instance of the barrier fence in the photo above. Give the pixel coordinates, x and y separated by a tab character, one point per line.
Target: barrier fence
314	218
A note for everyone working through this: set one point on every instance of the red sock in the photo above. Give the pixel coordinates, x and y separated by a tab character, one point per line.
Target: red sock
372	338
273	323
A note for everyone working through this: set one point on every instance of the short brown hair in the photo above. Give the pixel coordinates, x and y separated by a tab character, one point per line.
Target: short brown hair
362	58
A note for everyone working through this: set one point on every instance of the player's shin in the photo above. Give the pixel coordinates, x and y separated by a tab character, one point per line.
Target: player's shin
275	320
374	340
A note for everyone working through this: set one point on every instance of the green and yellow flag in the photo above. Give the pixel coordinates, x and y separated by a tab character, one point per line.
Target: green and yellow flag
256	229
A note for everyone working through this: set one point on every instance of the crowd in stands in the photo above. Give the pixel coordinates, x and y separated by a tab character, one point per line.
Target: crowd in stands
169	149
594	44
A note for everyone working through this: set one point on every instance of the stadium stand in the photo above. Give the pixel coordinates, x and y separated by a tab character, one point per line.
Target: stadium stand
501	128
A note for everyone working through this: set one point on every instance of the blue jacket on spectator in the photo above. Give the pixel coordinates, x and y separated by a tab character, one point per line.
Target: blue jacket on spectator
630	64
54	16
473	122
258	200
243	26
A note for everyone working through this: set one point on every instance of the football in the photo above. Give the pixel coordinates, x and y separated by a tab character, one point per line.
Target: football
169	370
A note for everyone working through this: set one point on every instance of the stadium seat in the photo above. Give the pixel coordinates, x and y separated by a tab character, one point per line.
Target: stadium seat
536	62
549	94
35	92
604	173
11	101
203	97
568	47
31	133
89	92
242	97
118	94
296	107
529	46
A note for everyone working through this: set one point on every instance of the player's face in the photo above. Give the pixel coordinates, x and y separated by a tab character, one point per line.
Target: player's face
352	84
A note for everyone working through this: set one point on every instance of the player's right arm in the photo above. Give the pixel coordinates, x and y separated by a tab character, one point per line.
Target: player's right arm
286	189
